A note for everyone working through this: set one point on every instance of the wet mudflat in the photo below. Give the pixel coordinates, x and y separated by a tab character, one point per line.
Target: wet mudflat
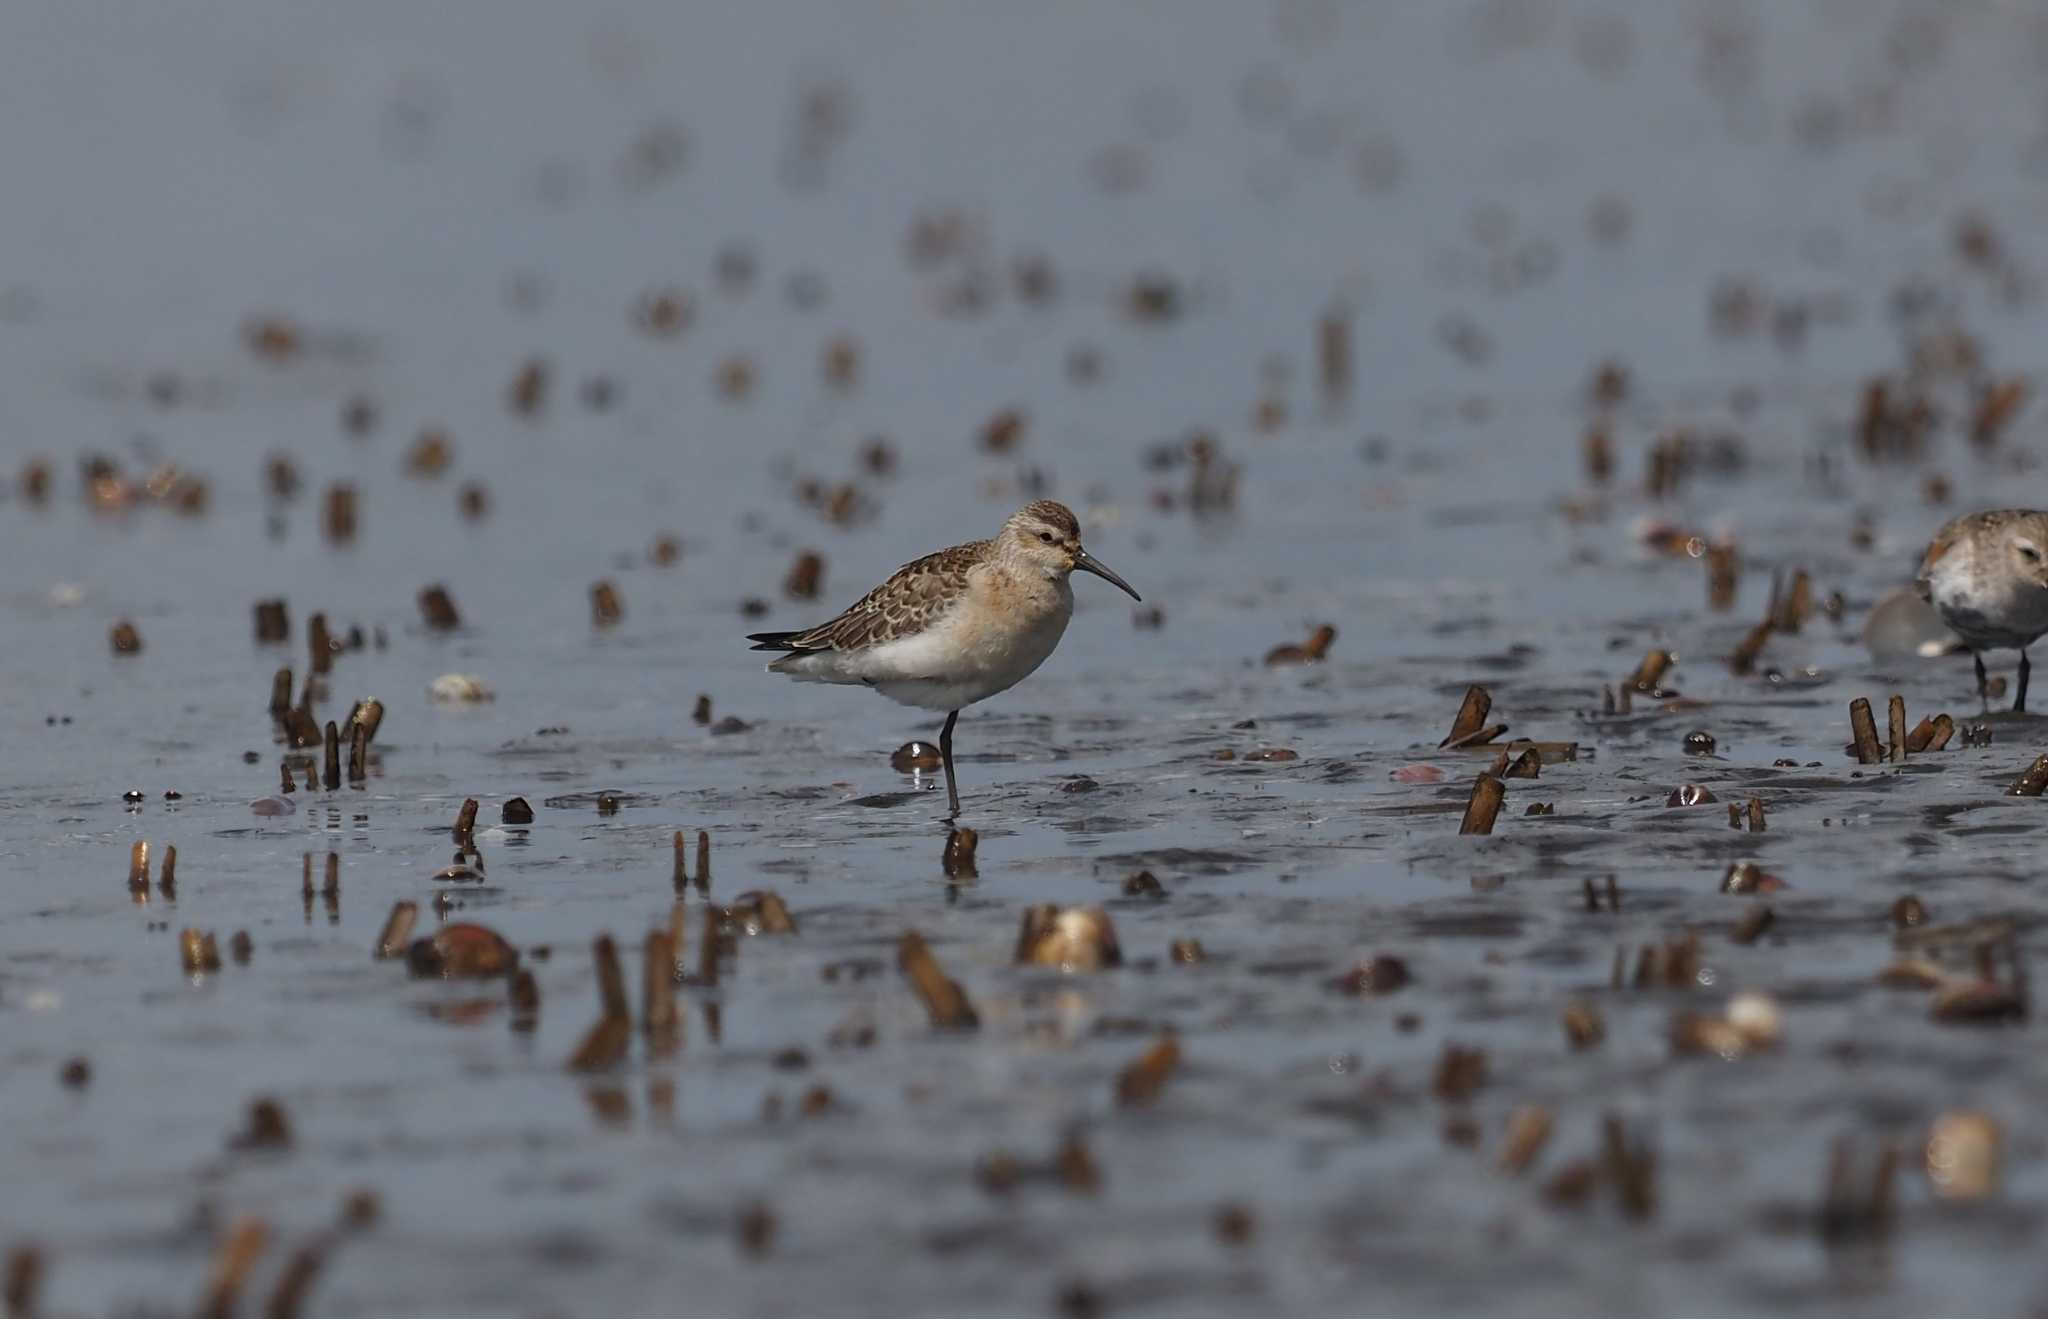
1513	342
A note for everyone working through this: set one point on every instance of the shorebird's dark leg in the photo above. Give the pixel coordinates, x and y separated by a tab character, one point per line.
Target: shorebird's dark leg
2019	705
946	754
1983	682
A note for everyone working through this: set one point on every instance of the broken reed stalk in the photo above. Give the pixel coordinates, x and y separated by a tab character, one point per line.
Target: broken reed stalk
138	868
21	1290
1795	606
1896	719
1528	1131
1472	712
1649	671
1743	661
611	980
1631	1166
1140	1083
1723	567
605	1044
1488	793
397	932
2032	782
1846	1214
301	730
281	693
680	876
1598	452
658	1016
167	882
1333	345
703	863
330	759
233	1260
605	607
1864	726
367	715
288	1295
465	823
338	514
1756	815
358	754
947	1003
319	645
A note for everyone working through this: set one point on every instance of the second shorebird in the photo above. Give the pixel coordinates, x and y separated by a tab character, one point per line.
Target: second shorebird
954	627
1986	574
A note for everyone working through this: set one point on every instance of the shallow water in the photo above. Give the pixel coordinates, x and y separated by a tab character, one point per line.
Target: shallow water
435	196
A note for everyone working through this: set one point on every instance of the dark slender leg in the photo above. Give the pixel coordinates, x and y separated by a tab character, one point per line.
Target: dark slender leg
946	752
1983	682
2019	705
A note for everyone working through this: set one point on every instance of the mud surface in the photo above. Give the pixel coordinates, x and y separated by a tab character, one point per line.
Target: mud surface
228	227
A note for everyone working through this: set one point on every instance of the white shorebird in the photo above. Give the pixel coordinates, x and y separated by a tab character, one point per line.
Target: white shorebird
1986	574
954	627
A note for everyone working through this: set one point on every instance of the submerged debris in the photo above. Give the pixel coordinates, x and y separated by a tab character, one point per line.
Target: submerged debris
460	689
957	860
462	950
1750	1023
198	951
1374	976
1964	1154
1849	1213
1312	651
606	610
943	998
1070	938
2033	781
437	607
1140	1083
1528	1131
1583	1025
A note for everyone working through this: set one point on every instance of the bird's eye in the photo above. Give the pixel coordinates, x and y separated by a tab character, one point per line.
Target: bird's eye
1045	536
2030	554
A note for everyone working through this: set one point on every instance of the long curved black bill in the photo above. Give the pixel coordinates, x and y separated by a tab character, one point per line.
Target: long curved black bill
1086	562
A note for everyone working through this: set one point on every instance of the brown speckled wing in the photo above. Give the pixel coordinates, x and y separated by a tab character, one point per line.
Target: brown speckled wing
914	595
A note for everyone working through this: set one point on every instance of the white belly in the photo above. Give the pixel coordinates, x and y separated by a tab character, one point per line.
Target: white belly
968	655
